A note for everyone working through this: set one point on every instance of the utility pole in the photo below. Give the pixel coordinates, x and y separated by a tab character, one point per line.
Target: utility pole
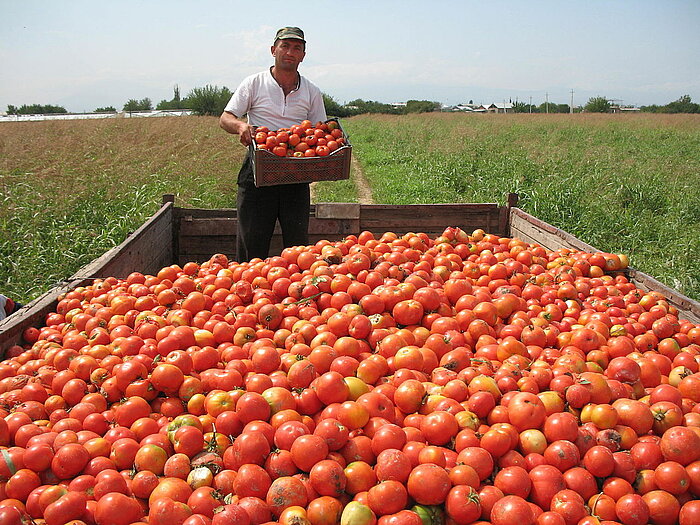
571	107
530	104
546	102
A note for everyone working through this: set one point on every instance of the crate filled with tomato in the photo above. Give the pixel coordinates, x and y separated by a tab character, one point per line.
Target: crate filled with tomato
302	153
377	380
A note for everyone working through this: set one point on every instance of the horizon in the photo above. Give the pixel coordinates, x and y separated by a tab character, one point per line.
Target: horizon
82	55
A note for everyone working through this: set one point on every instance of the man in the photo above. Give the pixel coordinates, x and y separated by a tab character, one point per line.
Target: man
277	98
7	307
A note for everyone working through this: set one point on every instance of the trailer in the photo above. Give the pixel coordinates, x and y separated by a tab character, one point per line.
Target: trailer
175	235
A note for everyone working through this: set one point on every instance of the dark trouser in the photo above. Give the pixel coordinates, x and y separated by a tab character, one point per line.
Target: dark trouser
260	208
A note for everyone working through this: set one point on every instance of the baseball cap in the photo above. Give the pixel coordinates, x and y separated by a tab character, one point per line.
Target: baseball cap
290	32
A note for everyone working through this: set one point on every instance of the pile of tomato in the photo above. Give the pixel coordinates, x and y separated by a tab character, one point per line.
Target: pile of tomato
303	140
399	380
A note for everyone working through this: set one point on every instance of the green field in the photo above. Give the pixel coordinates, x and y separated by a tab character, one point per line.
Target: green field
70	190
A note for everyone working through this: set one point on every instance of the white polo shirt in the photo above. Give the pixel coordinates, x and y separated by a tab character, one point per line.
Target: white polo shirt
262	99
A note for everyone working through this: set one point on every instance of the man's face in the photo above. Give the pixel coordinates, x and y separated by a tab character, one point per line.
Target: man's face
288	53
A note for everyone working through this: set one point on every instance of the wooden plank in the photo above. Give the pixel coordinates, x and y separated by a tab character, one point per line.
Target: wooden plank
528	232
210	244
430	218
333	229
209	226
153	251
689	308
430	210
276	245
149	245
217	227
196	213
525	225
337	210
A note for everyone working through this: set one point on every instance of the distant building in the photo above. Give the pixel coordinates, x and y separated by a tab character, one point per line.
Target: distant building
616	106
469	108
81	116
622	109
498	107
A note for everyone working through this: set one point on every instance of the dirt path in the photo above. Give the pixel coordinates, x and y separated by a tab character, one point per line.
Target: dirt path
364	190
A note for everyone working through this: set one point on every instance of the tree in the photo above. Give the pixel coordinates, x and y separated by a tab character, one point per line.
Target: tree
682	105
360	106
597	105
421	106
333	108
208	100
35	109
175	103
108	109
138	105
522	107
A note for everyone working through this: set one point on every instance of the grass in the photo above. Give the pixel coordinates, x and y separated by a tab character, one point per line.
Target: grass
336	191
70	190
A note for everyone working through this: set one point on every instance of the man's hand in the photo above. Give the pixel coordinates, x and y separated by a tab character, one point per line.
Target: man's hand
246	135
230	123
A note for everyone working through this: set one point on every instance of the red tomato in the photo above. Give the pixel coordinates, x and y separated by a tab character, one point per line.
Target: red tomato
393	464
387	497
631	509
681	444
204	500
166	511
514	481
429	484
286	492
69	460
118	509
663	507
70	506
525	411
327	477
512	509
307	450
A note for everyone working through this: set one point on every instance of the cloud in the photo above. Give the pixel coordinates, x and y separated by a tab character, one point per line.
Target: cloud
248	47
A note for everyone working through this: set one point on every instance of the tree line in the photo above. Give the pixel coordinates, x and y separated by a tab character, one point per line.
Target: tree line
34	109
207	100
683	105
211	100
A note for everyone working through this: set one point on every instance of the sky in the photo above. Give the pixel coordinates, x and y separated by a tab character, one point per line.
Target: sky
85	54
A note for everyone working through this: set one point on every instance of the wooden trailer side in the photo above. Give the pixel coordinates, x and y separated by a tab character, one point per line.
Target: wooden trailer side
531	229
200	233
146	250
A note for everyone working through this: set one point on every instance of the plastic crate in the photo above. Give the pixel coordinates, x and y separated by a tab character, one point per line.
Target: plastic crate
271	170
